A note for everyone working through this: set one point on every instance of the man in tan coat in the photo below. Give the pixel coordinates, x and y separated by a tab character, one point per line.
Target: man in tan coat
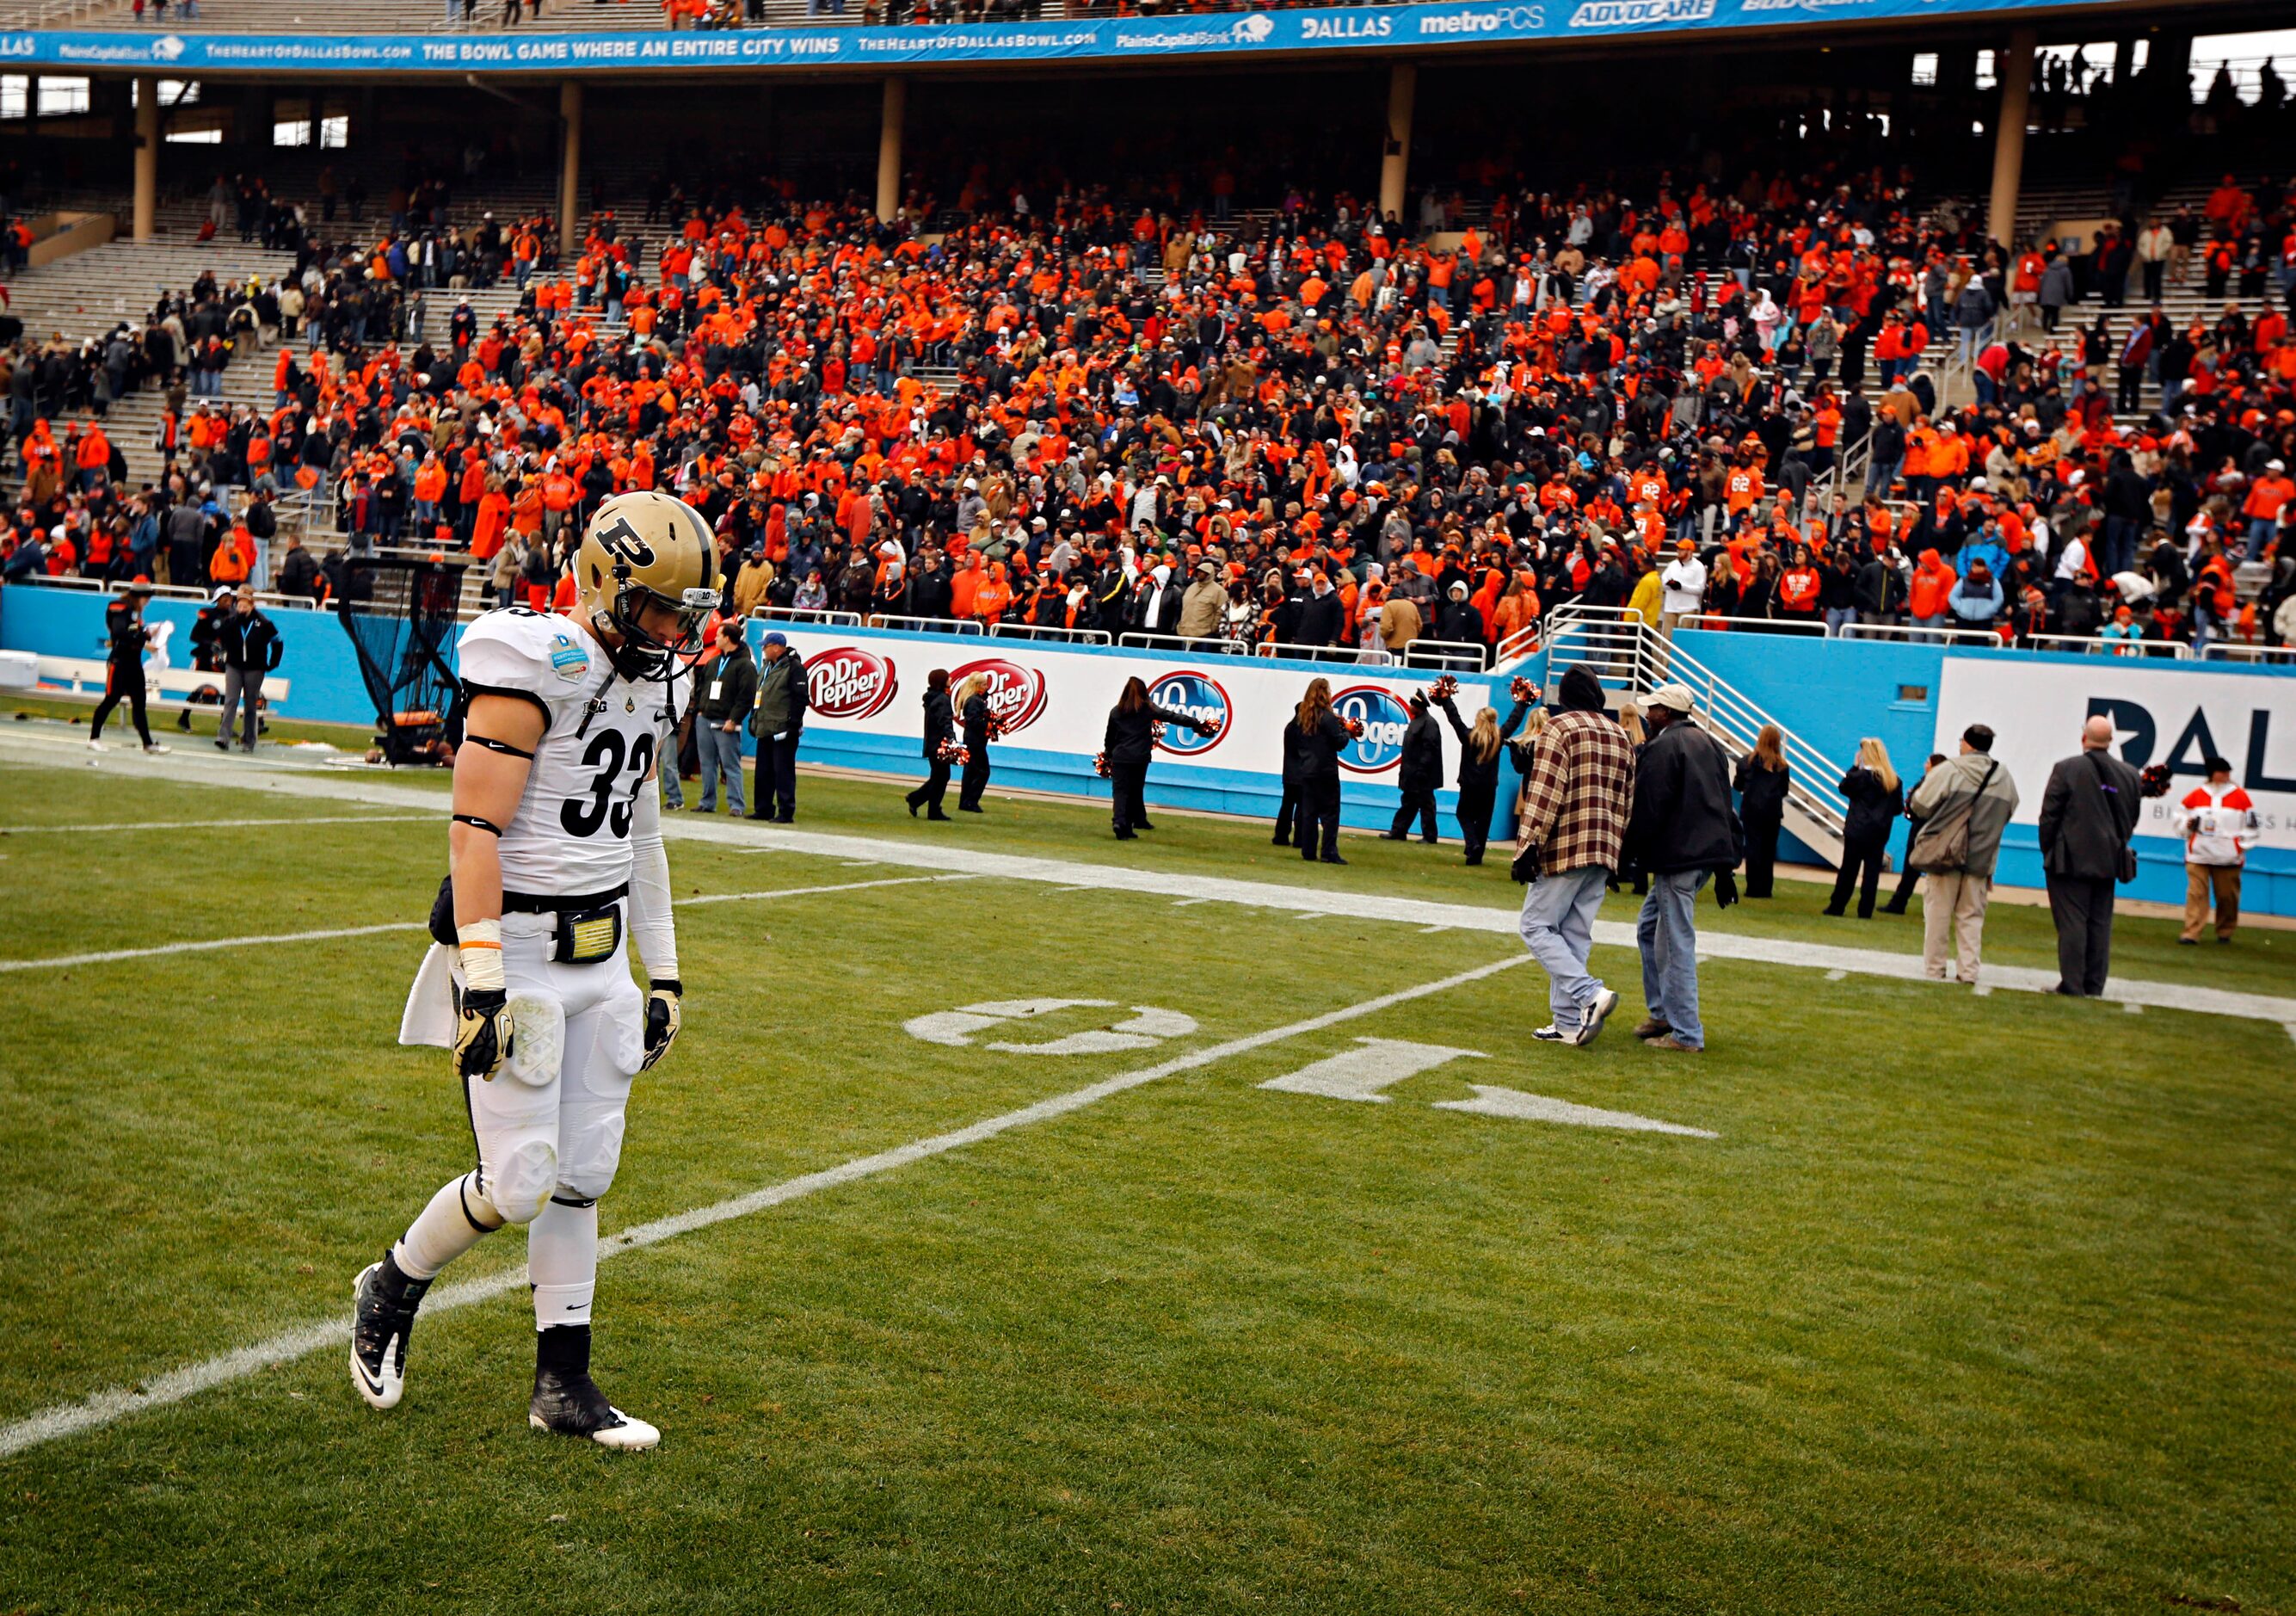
751	582
1399	623
1201	606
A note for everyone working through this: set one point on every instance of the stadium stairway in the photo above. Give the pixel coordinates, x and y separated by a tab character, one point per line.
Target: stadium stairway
87	294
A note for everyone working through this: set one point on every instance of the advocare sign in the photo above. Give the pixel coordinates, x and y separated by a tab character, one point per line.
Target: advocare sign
2179	716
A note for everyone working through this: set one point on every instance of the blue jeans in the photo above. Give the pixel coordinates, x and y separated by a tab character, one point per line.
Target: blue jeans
1558	928
1667	933
721	753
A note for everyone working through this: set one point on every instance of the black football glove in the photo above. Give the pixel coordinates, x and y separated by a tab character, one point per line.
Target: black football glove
1726	888
661	1020
482	1033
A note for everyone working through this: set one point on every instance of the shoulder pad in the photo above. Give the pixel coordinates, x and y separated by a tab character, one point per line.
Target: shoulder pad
521	650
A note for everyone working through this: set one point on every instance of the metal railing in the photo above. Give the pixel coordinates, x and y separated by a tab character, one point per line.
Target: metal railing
1461	654
1720	622
923	625
1524	642
2097	645
2227	650
1048	631
821	615
1923	636
1616	645
1320	653
166	592
1208	647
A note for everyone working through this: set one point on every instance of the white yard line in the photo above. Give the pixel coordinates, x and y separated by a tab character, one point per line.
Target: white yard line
214	824
107	1407
66	961
363	787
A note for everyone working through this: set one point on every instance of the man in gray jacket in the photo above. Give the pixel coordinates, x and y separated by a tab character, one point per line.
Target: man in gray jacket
2089	813
729	688
1976	788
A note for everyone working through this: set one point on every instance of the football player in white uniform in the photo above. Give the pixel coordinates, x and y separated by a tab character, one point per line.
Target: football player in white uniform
555	845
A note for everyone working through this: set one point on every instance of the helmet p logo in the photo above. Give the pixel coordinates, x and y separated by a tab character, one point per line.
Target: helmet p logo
623	542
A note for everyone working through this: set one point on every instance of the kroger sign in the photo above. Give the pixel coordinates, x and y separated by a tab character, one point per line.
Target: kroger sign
1198	695
1383	717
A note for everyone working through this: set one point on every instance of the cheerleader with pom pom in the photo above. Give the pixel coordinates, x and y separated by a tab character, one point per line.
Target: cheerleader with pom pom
940	746
1133	725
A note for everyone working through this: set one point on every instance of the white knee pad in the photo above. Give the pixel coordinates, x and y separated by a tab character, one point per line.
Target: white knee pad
520	1182
519	1127
586	1170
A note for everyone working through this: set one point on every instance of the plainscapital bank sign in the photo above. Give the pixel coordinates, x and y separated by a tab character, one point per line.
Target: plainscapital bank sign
1346	27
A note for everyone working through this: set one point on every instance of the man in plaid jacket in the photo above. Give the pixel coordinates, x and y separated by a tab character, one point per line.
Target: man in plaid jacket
1574	813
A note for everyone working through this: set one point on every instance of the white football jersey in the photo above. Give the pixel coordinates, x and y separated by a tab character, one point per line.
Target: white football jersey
571	834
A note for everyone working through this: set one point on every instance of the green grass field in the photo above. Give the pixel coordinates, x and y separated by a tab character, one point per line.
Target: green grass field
1970	1304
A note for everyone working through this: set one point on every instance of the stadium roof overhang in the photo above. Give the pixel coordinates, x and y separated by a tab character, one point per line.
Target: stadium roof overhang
1352	36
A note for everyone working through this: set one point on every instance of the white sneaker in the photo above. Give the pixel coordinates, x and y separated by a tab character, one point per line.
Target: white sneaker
159	746
96	746
1597	1012
1552	1034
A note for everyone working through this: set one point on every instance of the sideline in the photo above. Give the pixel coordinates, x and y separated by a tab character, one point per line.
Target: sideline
216	825
334	785
107	1408
66	961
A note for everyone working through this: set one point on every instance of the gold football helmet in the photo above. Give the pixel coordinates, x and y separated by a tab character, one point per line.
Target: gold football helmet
640	544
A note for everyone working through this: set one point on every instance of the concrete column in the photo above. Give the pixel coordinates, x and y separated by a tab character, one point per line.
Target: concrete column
889	147
2169	65
1395	156
2013	70
147	157
569	164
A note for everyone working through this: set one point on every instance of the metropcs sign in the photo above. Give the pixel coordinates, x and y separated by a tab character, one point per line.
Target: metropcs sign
2177	717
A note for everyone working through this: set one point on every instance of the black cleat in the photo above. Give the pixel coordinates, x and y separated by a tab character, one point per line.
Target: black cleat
383	1320
567	1401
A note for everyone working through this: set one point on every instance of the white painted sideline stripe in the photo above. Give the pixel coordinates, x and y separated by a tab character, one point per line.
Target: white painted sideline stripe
107	1407
213	825
66	961
337	786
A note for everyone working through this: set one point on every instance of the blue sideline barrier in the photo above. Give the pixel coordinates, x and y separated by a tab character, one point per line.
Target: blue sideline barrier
1831	692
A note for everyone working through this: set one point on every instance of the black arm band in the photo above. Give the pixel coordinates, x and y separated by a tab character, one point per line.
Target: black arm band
668	984
493	745
484	825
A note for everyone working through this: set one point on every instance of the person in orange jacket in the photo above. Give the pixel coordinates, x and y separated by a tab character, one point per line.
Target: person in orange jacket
1932	585
93	457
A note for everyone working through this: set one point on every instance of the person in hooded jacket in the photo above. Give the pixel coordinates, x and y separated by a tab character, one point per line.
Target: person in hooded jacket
941	727
1419	774
1130	741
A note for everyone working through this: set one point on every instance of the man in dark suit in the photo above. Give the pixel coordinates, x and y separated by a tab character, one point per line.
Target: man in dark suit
2089	813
